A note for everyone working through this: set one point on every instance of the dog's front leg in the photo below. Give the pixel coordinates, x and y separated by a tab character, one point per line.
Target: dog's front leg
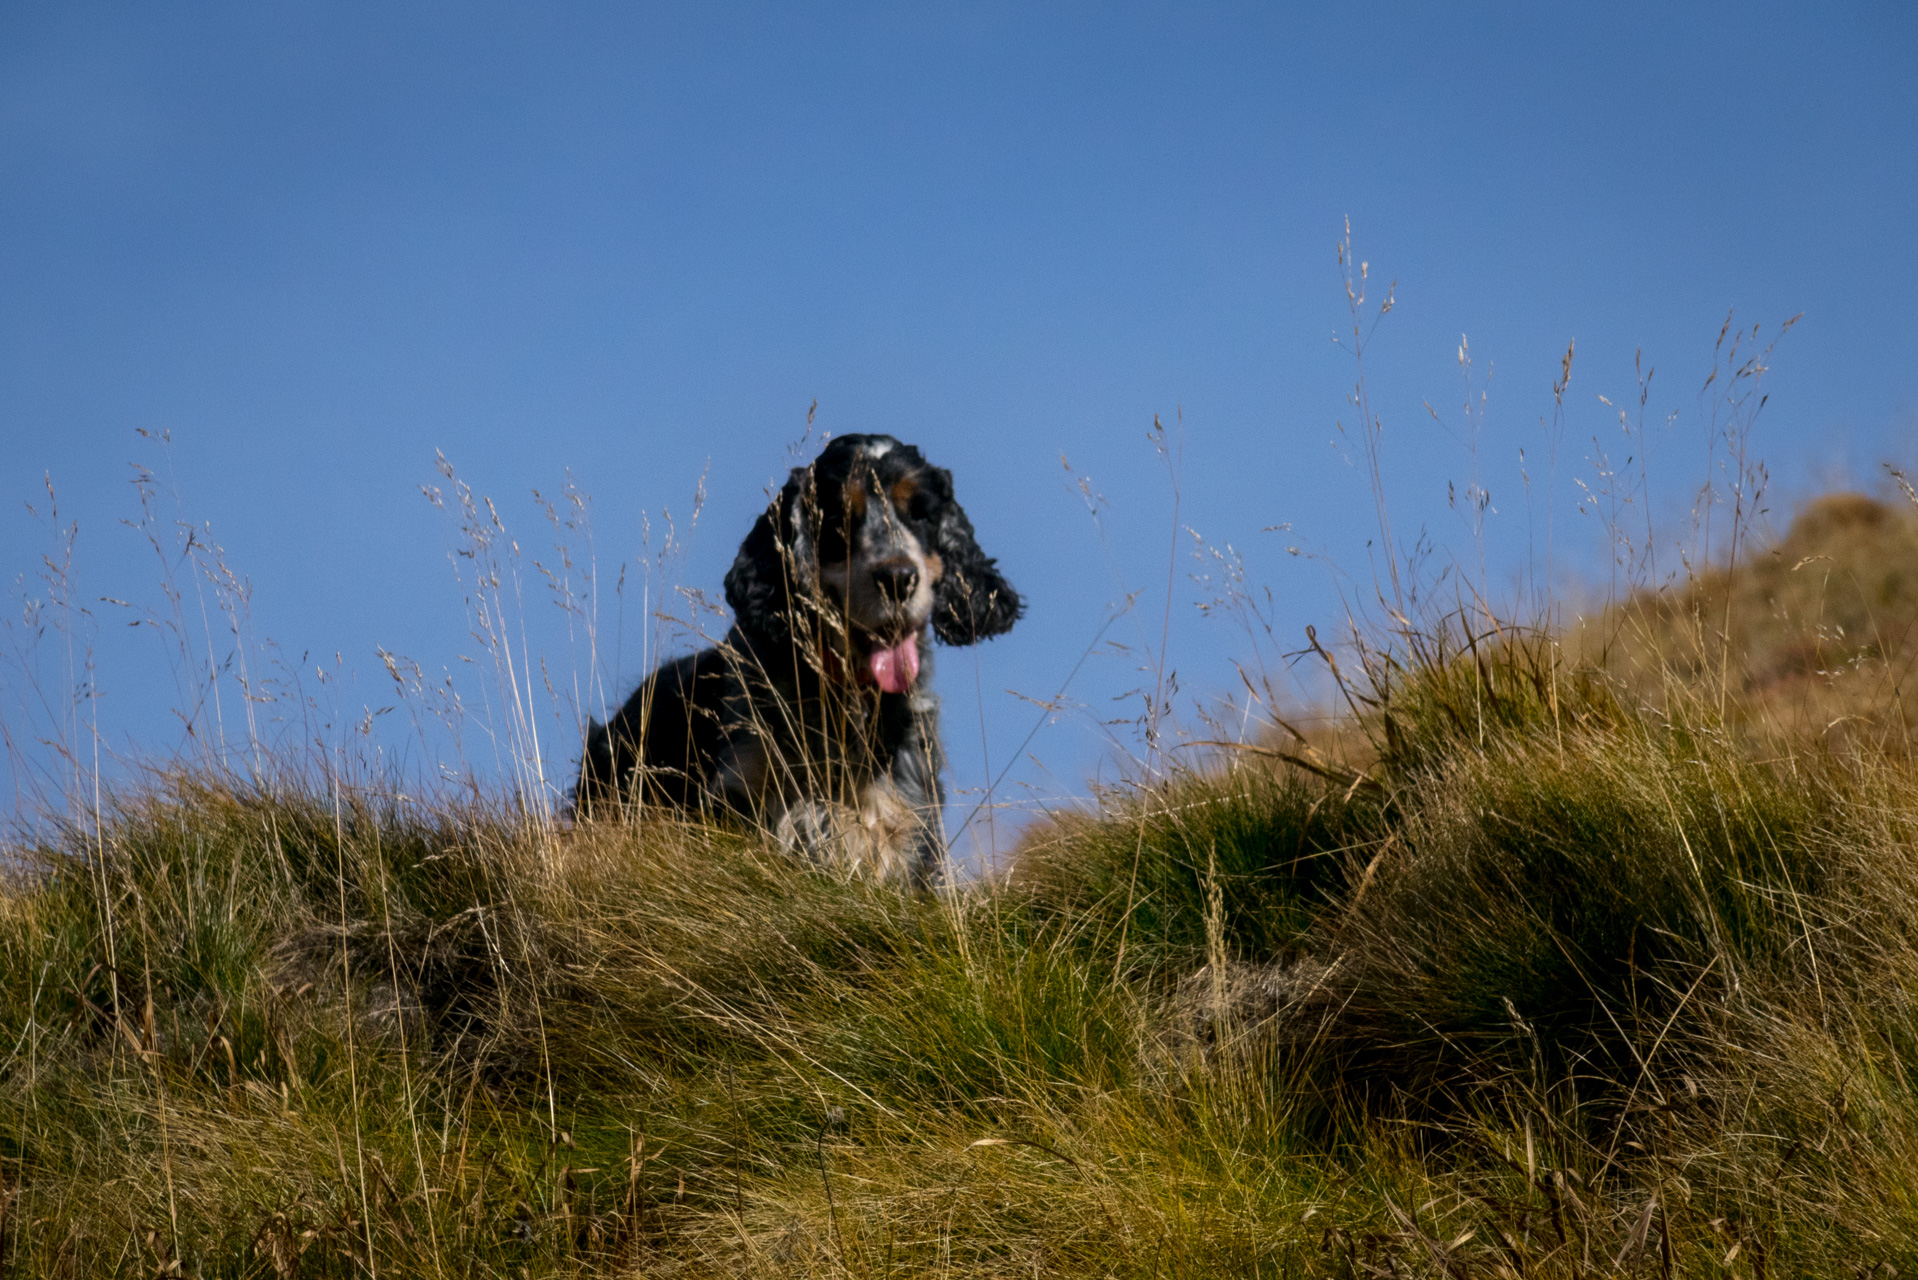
918	775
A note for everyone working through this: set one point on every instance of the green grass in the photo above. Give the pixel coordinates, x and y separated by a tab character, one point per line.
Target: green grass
1541	977
1589	995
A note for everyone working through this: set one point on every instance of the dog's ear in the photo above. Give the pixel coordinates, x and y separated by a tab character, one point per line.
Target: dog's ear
973	601
759	586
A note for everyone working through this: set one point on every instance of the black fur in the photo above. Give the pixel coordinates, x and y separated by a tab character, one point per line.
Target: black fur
769	725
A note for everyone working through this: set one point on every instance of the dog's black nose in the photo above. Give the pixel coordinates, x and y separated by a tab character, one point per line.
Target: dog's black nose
896	582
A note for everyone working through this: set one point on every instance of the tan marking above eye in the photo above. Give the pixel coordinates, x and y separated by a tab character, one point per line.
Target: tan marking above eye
856	501
902	491
934	567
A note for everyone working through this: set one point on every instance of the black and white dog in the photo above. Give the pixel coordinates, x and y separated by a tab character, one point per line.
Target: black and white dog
815	717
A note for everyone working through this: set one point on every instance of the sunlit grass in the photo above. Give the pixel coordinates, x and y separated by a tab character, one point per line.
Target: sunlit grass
1542	985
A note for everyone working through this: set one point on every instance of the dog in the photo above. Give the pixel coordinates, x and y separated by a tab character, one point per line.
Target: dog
815	717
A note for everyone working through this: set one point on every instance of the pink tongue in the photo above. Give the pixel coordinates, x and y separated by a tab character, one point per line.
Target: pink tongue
896	668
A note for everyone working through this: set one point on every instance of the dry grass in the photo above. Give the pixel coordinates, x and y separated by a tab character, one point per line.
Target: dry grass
1562	984
1811	636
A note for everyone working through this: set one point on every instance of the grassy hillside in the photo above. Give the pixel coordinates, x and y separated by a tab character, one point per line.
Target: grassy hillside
1812	634
1602	965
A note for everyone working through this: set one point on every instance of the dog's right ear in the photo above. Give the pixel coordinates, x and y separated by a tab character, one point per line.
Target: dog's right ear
759	585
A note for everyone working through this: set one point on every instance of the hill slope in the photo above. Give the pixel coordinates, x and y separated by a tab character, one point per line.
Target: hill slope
1579	977
1811	633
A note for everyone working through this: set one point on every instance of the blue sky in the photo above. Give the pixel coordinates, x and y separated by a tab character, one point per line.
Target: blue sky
318	242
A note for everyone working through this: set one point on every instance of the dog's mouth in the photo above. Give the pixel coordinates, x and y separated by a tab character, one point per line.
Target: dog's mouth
893	667
890	665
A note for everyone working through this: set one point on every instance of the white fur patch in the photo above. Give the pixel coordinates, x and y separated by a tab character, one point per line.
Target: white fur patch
871	839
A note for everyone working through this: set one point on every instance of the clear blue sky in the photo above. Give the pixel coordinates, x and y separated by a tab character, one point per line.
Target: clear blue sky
318	242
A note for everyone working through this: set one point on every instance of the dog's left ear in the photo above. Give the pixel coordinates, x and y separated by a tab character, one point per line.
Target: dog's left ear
973	601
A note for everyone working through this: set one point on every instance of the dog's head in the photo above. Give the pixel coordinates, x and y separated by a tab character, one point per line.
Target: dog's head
869	539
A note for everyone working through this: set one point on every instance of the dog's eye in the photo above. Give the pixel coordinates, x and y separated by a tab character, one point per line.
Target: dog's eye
833	544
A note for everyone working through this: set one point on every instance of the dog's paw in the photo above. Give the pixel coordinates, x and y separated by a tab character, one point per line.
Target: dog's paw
810	831
879	839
